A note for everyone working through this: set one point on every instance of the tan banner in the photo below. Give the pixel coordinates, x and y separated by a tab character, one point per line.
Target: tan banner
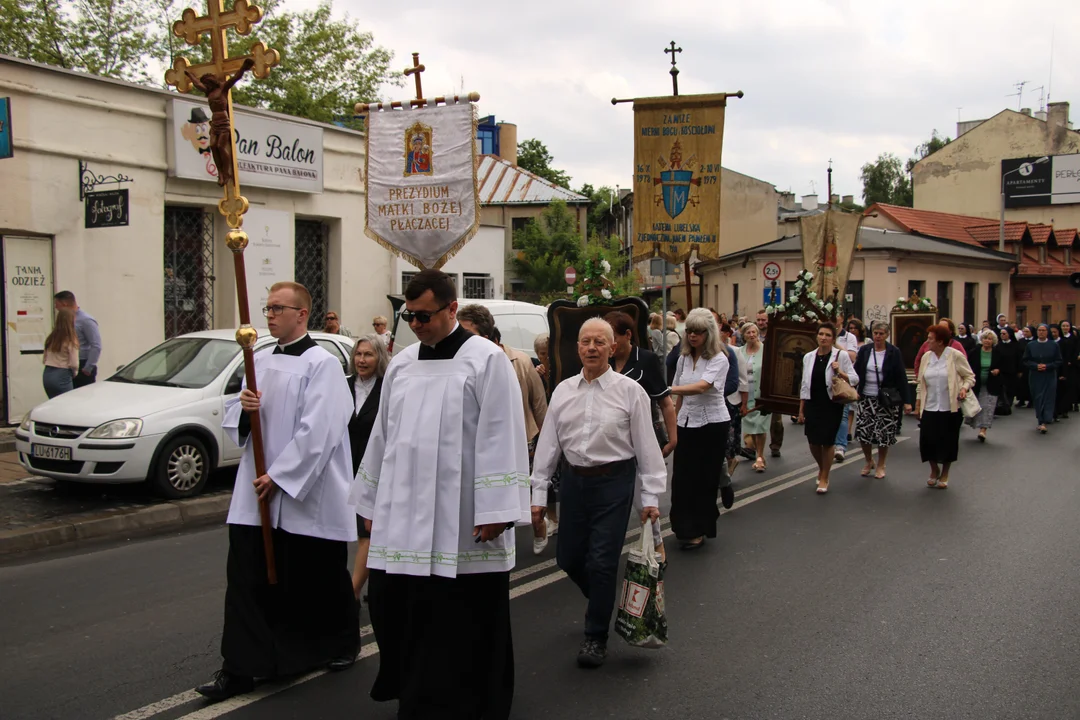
677	147
828	245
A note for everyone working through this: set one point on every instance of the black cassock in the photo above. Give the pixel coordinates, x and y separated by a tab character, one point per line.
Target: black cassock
445	646
309	618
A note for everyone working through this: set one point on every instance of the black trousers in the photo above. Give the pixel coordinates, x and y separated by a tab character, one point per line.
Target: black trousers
695	480
84	380
592	530
445	647
309	618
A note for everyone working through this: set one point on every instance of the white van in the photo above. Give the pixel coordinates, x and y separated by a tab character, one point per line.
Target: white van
519	322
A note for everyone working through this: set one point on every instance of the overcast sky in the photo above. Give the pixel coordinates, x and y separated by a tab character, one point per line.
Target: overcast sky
839	79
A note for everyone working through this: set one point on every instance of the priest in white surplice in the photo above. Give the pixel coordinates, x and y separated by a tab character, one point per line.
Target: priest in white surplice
310	619
443	481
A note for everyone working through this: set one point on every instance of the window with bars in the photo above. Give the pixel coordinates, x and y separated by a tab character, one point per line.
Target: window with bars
406	278
478	286
312	267
189	270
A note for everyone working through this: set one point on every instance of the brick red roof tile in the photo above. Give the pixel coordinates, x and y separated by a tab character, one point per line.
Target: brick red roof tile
1040	233
978	231
990	233
1066	237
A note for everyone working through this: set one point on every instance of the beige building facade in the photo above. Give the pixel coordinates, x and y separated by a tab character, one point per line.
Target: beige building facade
887	265
964	177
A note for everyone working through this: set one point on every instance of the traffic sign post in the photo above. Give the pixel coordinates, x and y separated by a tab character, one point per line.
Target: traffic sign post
571	278
771	271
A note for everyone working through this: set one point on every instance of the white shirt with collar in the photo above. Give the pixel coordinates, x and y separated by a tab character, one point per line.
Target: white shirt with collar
709	407
595	423
937	382
361	390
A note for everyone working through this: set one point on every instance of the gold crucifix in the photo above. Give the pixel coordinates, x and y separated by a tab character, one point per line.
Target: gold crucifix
216	79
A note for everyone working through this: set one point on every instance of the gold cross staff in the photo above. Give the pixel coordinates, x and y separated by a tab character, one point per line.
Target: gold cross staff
416	69
215	79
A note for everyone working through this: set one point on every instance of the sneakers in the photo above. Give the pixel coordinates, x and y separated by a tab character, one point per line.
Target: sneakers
539	545
592	654
839	456
552	527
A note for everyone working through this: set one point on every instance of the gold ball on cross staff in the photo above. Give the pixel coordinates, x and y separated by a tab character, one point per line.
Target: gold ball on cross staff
246	336
236	240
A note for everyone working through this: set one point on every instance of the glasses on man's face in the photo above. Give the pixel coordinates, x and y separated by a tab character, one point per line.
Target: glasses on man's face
421	316
275	310
331	317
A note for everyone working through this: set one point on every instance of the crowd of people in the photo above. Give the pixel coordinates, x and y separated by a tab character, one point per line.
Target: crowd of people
430	460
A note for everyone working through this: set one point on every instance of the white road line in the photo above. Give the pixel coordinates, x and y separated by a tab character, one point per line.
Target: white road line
210	712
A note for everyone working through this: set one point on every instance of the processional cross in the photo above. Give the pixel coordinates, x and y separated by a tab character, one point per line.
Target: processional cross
216	79
674	70
416	69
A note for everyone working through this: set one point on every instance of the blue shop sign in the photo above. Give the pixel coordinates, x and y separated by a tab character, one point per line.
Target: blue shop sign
7	145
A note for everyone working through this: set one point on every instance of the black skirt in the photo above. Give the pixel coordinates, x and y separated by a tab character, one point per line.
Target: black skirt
695	480
823	418
939	436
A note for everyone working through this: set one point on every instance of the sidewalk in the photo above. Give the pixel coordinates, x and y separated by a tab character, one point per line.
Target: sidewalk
38	513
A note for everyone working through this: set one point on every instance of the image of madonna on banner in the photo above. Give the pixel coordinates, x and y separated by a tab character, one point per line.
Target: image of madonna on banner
422	199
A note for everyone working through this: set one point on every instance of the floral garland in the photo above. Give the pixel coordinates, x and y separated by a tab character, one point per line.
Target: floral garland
914	304
803	305
594	288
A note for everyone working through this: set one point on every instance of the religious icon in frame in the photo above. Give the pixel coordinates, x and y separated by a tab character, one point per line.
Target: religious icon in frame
565	319
908	332
787	342
418	150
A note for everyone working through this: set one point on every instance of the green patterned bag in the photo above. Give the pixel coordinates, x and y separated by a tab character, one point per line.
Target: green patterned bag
641	620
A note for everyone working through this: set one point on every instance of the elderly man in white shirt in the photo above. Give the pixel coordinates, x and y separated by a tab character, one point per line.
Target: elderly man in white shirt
602	422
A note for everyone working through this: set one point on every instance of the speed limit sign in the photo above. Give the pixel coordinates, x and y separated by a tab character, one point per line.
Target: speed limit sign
771	271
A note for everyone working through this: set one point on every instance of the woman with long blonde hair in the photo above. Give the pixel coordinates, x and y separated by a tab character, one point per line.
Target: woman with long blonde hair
61	355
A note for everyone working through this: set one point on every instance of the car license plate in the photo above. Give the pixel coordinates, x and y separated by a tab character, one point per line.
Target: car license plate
50	452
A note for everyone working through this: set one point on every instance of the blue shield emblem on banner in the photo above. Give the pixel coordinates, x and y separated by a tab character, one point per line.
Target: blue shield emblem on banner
676	189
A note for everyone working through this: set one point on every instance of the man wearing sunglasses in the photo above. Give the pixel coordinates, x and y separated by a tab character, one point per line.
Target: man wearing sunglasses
310	619
442	483
333	325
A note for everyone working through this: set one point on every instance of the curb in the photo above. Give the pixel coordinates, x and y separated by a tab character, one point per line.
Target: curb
140	521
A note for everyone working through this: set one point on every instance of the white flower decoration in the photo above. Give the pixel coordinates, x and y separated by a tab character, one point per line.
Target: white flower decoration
812	295
812	315
606	293
770	310
799	284
809	275
780	307
605	266
828	307
899	301
583	301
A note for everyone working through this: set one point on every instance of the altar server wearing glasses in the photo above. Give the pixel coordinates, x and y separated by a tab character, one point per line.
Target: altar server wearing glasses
442	483
310	619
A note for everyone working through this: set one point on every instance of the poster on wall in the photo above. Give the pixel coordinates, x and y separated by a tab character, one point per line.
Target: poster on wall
678	142
270	255
1041	181
270	153
28	319
7	143
423	203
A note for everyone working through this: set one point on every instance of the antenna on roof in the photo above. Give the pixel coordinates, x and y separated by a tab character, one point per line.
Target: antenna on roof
1042	97
1019	93
813	188
958	113
1050	79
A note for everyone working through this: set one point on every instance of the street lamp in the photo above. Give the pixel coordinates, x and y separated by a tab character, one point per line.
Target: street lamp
1001	226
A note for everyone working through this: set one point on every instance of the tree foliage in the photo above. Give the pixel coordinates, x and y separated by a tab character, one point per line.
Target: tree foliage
327	65
887	180
603	202
112	38
533	156
545	247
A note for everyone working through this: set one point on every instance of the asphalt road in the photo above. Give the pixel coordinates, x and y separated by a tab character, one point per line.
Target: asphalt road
882	599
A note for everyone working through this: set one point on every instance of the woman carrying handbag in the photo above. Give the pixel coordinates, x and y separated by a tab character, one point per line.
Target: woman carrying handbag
827	386
882	396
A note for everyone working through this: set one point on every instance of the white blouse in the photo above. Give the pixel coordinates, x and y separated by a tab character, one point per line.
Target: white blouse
708	407
874	369
937	383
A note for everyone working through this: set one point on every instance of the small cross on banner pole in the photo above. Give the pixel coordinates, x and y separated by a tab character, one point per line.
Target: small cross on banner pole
216	79
416	69
674	70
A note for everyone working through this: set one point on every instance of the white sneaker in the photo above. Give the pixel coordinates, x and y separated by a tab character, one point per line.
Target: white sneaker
539	545
552	527
839	456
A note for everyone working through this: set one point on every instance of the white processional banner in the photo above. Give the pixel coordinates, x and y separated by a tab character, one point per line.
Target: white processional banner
422	200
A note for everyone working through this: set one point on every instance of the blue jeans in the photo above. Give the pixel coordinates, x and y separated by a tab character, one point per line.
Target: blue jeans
592	530
841	434
57	381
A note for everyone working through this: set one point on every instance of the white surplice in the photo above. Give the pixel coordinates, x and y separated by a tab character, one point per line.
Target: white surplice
448	453
306	408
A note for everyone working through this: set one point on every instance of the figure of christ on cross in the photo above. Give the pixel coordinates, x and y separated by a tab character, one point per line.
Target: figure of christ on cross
217	95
